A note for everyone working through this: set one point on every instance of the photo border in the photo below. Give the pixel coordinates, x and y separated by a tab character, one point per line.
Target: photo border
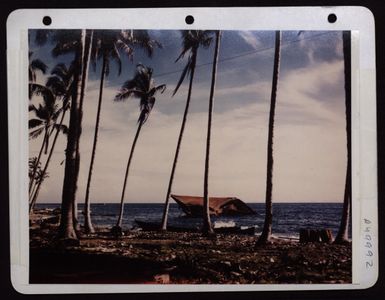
364	148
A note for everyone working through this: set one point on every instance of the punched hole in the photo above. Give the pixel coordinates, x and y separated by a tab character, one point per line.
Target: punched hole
332	18
189	19
47	20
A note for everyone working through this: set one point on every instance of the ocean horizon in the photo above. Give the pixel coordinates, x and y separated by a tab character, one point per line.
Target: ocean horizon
288	218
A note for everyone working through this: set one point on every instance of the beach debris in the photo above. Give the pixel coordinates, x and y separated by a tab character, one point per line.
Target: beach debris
51	220
117	231
315	236
185	257
226	265
67	243
224	224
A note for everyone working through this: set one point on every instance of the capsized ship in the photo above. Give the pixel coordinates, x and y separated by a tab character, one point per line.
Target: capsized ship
192	206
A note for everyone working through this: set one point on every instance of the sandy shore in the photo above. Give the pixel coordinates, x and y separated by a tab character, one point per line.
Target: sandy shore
155	257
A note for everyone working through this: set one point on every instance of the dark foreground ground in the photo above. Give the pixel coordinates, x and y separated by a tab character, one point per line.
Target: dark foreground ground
155	257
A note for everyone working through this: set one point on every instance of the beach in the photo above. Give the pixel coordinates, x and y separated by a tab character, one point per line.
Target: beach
179	257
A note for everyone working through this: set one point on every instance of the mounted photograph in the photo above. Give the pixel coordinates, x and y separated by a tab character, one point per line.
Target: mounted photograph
177	150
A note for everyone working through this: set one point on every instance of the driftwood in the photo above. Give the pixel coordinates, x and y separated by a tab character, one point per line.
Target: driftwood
153	226
315	236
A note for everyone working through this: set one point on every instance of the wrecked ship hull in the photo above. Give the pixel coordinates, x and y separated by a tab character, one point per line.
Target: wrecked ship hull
192	206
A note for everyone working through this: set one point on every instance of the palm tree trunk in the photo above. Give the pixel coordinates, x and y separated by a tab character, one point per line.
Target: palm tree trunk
342	235
266	232
32	193
46	140
71	170
120	219
167	203
36	193
207	227
87	212
86	61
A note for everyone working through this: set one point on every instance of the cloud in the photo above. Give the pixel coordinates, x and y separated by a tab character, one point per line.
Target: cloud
309	140
250	39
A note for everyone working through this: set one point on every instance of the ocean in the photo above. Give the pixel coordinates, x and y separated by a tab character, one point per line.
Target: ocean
288	218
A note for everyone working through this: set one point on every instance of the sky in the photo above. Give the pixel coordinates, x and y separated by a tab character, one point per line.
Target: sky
309	135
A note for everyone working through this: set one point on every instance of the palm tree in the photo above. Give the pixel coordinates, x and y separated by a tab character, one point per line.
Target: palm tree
46	114
143	87
32	164
80	44
34	168
192	40
207	227
40	176
60	84
342	235
107	46
77	42
266	232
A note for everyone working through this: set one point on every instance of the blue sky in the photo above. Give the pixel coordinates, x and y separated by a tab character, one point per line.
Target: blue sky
310	151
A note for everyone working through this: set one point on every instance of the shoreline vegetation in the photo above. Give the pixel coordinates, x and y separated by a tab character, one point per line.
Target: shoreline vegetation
157	257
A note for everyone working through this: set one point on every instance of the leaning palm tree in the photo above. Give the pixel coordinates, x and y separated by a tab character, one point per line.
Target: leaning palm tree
192	40
44	122
143	87
107	46
342	235
61	84
266	232
207	227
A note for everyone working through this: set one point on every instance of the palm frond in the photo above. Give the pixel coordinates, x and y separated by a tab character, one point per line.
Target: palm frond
57	85
62	128
107	66
34	123
41	175
116	56
125	48
193	39
35	133
94	55
144	41
37	64
125	93
41	112
160	88
31	77
60	70
31	107
63	47
56	112
41	90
